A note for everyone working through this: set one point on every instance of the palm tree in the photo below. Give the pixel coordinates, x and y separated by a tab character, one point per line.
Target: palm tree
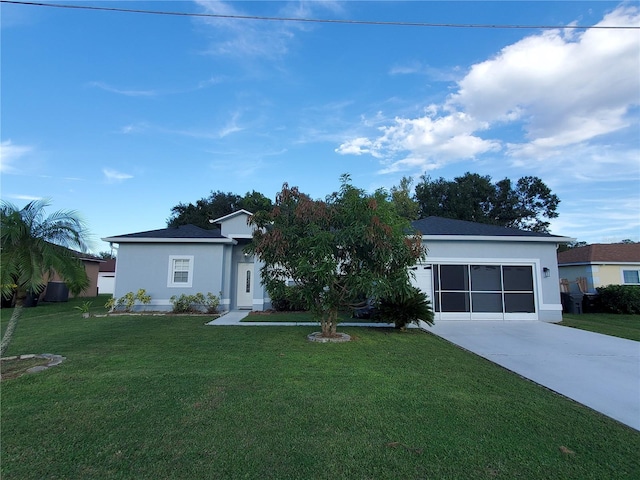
33	247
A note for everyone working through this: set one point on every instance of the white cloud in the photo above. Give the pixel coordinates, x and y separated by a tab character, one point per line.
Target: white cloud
259	39
113	176
120	91
10	154
566	88
556	91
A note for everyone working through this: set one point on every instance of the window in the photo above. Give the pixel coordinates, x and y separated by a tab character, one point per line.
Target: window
631	276
180	271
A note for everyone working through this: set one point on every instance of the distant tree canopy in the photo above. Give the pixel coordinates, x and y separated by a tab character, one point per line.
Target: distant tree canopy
216	205
527	205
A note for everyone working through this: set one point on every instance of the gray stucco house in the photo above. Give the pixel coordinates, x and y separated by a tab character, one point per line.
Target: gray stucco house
472	271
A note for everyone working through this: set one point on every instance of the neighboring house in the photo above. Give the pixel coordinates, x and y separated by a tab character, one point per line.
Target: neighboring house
472	271
57	291
107	276
598	265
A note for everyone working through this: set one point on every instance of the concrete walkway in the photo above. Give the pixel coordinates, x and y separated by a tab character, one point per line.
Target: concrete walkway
235	317
599	371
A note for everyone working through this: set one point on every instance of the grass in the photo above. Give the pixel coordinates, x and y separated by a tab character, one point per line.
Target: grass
299	317
624	326
166	397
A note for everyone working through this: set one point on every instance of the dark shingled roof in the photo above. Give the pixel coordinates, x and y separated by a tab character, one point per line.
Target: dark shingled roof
183	231
601	252
449	226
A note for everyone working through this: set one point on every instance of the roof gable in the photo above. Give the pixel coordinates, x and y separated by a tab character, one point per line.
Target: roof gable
601	252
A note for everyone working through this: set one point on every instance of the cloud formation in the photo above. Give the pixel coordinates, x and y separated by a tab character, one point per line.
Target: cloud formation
558	90
10	154
113	176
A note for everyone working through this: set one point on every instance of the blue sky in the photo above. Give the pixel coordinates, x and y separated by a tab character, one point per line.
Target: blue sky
121	116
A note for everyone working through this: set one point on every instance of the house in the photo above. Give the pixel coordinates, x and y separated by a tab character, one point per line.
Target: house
107	276
586	268
57	291
472	271
190	259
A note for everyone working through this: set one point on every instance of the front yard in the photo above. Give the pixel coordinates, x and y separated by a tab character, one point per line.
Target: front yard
167	397
623	326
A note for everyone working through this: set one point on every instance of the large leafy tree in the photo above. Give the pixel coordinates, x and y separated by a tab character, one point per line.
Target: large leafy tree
528	204
34	246
216	205
351	246
405	204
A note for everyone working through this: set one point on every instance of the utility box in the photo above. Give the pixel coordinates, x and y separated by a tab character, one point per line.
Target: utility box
56	292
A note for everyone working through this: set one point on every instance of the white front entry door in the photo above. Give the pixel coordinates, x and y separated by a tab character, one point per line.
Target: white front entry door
244	287
423	279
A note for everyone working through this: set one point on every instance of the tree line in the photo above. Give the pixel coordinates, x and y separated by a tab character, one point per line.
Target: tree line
527	204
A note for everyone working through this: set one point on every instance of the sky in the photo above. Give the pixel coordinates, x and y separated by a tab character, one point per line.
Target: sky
121	116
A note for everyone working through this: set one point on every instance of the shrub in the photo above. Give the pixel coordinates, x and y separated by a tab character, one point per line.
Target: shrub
623	299
405	308
128	300
195	303
287	299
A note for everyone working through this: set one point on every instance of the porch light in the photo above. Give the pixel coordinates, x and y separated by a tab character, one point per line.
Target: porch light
546	272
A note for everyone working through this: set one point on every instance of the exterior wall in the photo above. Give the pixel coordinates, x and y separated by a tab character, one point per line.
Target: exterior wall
236	226
596	275
92	269
573	272
146	265
539	255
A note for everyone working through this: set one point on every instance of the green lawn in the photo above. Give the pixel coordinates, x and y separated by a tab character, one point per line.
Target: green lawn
159	397
624	326
298	317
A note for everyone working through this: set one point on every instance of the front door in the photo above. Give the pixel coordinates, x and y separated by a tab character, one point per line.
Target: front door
244	287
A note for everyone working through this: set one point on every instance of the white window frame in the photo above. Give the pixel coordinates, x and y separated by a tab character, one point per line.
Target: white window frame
170	282
622	270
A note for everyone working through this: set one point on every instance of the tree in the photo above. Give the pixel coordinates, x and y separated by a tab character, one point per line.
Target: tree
33	247
349	247
473	197
405	204
216	205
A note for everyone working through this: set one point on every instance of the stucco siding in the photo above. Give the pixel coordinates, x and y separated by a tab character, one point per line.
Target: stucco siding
539	255
236	226
146	265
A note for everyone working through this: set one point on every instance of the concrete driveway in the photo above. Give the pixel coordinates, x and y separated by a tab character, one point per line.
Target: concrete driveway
598	371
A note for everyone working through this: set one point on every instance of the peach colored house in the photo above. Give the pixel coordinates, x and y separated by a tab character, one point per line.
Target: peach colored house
599	265
91	266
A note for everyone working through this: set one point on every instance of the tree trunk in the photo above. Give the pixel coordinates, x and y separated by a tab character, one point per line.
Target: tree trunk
8	333
329	323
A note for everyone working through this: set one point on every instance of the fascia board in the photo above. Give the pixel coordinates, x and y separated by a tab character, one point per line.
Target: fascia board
231	215
169	240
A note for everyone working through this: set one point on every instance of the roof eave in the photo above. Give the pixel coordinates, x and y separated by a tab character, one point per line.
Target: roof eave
498	238
168	240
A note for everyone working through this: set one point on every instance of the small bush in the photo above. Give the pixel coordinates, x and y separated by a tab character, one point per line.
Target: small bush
287	299
624	299
128	300
405	308
195	303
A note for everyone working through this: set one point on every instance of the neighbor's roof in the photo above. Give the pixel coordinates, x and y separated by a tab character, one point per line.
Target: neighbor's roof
182	234
439	226
108	266
601	253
